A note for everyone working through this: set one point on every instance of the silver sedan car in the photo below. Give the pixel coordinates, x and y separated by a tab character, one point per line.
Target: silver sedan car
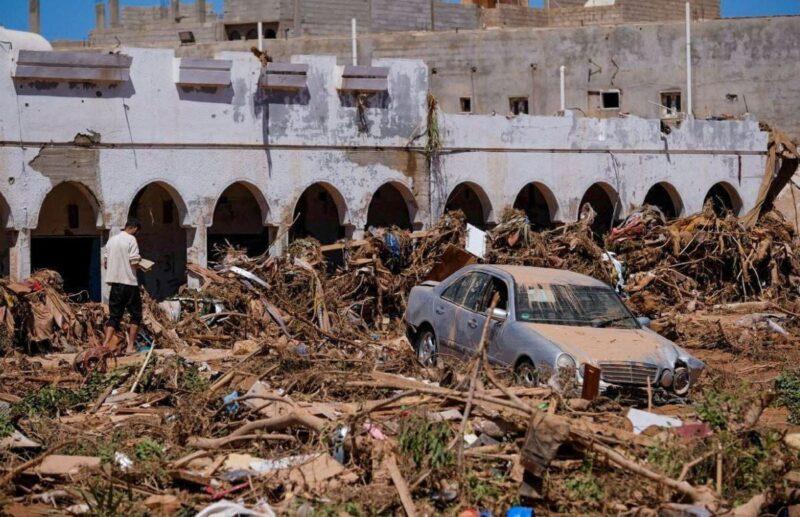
547	322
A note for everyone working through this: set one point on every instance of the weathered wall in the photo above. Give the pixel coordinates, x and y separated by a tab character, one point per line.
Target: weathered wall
742	65
195	144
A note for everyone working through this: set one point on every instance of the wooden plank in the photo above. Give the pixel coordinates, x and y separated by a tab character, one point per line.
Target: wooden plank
358	243
66	59
364	85
401	485
64	73
380	72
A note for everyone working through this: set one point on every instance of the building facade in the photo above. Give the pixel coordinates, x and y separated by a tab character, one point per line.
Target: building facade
204	151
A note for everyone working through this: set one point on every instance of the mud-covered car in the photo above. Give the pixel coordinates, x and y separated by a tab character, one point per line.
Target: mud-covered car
547	322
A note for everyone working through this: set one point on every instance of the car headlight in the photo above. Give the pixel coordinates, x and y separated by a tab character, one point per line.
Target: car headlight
566	361
667	377
682	381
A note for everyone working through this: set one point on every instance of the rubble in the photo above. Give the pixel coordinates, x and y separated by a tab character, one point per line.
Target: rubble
285	385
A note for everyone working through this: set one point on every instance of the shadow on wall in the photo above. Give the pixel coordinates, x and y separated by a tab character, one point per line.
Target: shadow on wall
76	90
206	94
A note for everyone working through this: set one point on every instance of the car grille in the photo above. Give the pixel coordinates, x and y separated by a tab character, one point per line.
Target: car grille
635	374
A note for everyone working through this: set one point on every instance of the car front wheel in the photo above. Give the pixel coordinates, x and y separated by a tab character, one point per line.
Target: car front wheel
526	374
427	348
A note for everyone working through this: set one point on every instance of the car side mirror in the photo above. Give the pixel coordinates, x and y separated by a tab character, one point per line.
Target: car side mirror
644	321
500	314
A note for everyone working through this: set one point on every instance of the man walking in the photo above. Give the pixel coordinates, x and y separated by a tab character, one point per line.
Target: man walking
121	262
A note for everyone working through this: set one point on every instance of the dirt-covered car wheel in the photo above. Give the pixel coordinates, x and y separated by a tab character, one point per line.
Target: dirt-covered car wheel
427	348
526	374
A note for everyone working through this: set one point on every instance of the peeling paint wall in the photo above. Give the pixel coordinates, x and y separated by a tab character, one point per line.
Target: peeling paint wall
196	144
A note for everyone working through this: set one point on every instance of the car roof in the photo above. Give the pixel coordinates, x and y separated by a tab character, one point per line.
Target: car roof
533	275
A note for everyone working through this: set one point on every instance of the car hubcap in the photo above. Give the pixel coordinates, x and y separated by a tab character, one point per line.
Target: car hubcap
427	350
528	376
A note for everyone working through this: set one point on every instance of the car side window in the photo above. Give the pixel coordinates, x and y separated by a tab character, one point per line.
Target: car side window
476	292
495	285
455	293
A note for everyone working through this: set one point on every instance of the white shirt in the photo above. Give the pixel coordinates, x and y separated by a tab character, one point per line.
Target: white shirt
122	250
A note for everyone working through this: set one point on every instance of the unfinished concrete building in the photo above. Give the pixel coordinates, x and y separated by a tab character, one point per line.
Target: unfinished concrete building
189	23
211	150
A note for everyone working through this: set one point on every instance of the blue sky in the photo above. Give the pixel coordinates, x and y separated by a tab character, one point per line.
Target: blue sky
72	19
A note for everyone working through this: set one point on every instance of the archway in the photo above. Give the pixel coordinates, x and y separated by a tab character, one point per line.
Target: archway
665	198
605	202
538	203
162	239
391	206
319	213
5	238
724	198
67	240
470	199
239	221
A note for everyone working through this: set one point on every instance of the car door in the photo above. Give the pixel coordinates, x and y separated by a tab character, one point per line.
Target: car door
469	319
445	307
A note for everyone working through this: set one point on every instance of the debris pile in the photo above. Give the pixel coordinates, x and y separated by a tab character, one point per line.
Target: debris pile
285	385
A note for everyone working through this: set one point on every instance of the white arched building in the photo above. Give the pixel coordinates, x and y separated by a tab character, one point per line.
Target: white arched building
204	151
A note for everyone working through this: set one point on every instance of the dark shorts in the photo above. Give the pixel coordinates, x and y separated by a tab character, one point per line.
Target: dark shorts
124	298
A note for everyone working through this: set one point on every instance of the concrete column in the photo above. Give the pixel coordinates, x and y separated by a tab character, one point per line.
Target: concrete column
113	13
100	15
280	241
197	250
201	10
34	16
174	10
19	260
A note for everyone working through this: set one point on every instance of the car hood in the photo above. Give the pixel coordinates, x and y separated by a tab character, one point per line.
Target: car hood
593	345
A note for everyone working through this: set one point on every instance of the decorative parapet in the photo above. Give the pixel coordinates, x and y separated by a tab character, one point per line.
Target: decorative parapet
215	73
369	79
91	67
285	76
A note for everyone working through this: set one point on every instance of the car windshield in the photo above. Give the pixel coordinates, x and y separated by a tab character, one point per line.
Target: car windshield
572	305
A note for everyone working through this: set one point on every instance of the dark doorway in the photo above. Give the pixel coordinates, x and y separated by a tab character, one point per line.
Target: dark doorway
388	208
317	215
77	260
665	199
67	240
533	202
161	239
238	221
604	205
465	198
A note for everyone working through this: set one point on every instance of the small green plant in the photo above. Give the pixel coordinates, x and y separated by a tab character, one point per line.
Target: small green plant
719	407
787	387
583	486
426	442
149	449
106	500
6	426
481	492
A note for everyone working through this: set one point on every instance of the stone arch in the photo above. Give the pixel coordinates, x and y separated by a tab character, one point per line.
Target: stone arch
163	238
177	199
392	204
538	203
605	201
320	213
471	199
239	218
724	198
67	238
666	198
